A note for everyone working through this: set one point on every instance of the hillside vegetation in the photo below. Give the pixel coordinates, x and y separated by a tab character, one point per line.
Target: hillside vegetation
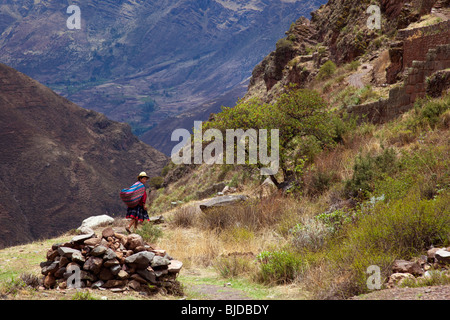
375	194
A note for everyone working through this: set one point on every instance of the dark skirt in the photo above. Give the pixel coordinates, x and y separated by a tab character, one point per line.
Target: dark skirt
137	213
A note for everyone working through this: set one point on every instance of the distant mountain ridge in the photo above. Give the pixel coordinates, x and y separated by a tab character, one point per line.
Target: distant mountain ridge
60	163
144	61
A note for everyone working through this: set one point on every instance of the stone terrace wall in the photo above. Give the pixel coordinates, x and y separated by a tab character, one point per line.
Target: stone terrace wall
414	86
413	45
417	42
415	80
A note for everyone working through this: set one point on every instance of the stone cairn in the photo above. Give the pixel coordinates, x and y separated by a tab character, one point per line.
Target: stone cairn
113	261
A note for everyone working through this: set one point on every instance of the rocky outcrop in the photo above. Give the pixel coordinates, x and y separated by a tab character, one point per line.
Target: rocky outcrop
214	189
221	201
297	42
111	261
437	261
95	221
338	32
438	83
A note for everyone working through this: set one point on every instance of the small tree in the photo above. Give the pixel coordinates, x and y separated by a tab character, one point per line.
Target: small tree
297	113
326	70
301	113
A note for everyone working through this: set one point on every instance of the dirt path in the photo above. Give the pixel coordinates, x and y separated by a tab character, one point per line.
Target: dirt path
356	79
422	293
215	292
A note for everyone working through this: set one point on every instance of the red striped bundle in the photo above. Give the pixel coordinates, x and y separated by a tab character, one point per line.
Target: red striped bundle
132	195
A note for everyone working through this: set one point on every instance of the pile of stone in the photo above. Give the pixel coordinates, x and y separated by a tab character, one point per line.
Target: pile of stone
436	261
111	261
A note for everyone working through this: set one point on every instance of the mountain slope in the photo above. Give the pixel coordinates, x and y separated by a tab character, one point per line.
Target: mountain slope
60	163
142	61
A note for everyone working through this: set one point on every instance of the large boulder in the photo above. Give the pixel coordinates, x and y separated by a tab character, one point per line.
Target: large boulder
403	266
221	201
442	256
431	254
396	279
95	221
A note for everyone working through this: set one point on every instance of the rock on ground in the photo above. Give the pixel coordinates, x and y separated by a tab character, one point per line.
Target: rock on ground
96	221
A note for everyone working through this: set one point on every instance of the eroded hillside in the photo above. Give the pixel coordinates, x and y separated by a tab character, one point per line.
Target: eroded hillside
60	163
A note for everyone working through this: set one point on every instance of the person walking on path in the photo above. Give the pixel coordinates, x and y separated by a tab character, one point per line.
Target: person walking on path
138	214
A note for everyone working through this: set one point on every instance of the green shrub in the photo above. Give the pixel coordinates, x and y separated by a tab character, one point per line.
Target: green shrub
427	113
365	94
310	235
435	278
353	66
234	181
80	295
283	49
156	182
335	220
400	229
368	169
232	266
13	286
326	70
166	170
283	44
321	181
279	267
308	148
432	110
406	226
149	232
342	126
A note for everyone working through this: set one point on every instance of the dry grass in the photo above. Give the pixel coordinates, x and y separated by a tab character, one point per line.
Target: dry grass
200	248
198	238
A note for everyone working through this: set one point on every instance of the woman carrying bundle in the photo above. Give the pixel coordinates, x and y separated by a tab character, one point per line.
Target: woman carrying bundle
138	214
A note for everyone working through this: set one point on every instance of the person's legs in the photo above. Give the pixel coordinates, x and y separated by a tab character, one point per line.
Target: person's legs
132	222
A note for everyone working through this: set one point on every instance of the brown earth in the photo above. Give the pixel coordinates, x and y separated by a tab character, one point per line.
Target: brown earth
422	293
215	292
